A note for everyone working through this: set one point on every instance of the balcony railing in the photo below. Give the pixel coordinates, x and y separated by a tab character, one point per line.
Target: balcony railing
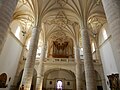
64	60
59	60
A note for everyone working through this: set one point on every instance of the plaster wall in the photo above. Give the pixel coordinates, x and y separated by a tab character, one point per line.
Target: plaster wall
108	59
107	54
9	59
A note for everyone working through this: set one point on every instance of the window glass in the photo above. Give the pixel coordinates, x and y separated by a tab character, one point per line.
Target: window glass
59	85
17	33
104	34
38	52
93	46
28	44
81	53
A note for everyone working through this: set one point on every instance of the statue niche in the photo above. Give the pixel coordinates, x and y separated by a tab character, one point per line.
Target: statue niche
3	79
114	81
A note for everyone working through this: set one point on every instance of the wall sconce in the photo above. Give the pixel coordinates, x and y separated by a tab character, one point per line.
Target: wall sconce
23	32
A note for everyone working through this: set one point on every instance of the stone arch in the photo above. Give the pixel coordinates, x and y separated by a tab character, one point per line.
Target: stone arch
51	77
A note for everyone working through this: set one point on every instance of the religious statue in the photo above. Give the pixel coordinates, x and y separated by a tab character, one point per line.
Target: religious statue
114	81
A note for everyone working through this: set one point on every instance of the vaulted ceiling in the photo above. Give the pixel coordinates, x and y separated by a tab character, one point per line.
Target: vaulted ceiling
65	16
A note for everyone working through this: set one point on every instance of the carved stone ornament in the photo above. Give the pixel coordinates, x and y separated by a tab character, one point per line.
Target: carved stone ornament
62	3
60	20
60	37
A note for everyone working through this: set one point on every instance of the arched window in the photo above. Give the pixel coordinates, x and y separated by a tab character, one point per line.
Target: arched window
104	34
28	44
59	85
81	53
93	47
17	33
38	52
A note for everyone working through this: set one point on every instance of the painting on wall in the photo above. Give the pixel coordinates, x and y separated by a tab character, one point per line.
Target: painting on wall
3	79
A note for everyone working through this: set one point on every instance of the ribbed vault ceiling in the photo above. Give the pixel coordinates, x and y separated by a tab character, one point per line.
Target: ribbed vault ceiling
61	15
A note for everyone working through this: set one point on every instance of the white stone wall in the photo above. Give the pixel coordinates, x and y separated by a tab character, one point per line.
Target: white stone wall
49	66
112	11
9	58
107	54
63	75
60	66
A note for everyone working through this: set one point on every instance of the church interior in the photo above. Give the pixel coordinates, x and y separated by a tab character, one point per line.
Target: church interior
59	44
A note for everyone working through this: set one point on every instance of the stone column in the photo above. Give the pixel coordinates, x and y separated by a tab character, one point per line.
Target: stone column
6	11
112	11
88	61
30	62
40	68
78	67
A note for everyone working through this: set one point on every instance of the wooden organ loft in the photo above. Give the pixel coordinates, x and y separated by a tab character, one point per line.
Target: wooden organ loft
60	50
61	47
